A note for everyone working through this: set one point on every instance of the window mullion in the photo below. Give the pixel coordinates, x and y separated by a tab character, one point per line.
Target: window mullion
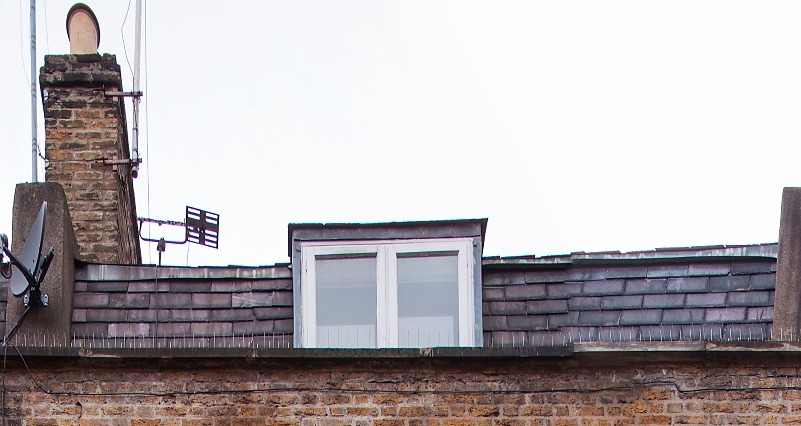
382	339
309	297
392	296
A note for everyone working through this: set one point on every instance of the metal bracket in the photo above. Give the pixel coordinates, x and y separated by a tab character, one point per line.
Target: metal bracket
115	162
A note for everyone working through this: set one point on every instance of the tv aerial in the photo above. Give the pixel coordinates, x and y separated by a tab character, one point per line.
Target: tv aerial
201	227
31	267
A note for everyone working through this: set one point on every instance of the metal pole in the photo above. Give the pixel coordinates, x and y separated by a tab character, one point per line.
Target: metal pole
34	143
137	54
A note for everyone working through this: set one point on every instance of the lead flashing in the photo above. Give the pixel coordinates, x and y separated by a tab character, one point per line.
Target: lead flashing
100	272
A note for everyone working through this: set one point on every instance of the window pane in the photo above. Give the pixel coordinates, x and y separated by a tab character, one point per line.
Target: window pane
346	302
428	301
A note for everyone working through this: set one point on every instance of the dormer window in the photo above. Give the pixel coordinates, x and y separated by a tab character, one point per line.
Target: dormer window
357	287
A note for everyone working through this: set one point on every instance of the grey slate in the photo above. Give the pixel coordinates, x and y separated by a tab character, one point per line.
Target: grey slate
494	322
595	318
618	334
729	283
586	274
748	268
746	332
527	322
763	282
504	278
211	300
189	286
603	287
107	286
667	271
508	338
584	303
250	299
188	315
663	300
106	315
90	300
232	315
276	284
723	315
169	300
211	328
641	317
507	308
286	326
147	286
90	328
569	319
141	315
563	291
760	314
273	312
547	306
230	286
709	269
626	272
687	285
705	300
254	327
129	300
282	298
683	316
492	294
748	298
525	292
621	302
172	329
646	286
545	277
129	329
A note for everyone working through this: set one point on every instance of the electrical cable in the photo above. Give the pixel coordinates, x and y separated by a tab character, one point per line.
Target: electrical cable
147	132
122	36
47	30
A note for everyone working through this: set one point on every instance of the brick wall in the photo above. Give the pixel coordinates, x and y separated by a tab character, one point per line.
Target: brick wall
84	127
417	392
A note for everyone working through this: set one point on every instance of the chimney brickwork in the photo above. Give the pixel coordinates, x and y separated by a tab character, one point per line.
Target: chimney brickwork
85	129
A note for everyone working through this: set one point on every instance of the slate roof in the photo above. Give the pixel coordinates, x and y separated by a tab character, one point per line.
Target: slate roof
711	293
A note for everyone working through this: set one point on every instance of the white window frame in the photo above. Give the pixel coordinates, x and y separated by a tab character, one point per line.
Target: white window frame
386	252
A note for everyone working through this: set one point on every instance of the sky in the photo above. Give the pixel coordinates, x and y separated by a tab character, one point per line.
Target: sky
570	125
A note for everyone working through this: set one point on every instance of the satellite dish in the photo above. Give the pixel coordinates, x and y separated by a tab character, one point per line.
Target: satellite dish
31	265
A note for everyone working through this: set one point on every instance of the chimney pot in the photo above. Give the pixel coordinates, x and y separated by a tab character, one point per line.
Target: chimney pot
83	30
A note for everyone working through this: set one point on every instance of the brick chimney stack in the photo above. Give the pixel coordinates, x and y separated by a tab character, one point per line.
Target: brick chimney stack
86	132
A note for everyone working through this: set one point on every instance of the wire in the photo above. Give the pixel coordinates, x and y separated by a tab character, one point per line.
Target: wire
3	390
47	32
122	27
147	133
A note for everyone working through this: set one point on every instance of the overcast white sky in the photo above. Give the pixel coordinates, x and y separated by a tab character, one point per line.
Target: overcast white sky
571	125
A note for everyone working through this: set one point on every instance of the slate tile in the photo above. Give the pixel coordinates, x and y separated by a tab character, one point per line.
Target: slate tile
230	286
172	329
547	306
504	278
729	283
211	300
773	267
618	334
569	319
709	269
147	286
705	300
508	338
507	308
545	338
525	292
254	327
748	268
106	315
79	315
282	298
285	326
682	316
80	286
641	317
142	315
129	300
90	300
586	274
603	287
232	315
748	298
273	312
626	272
584	303
170	300
660	333
599	318
129	329
581	334
188	315
492	294
545	277
621	302
760	314
276	284
192	286
763	282
716	315
663	300
664	271
527	322
563	291
211	328
107	286
746	332
494	322
645	286
687	285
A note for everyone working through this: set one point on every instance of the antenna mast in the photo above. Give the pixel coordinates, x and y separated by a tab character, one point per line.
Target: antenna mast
34	143
137	53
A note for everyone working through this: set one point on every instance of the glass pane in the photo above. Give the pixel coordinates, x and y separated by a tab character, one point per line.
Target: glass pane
428	301
346	302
